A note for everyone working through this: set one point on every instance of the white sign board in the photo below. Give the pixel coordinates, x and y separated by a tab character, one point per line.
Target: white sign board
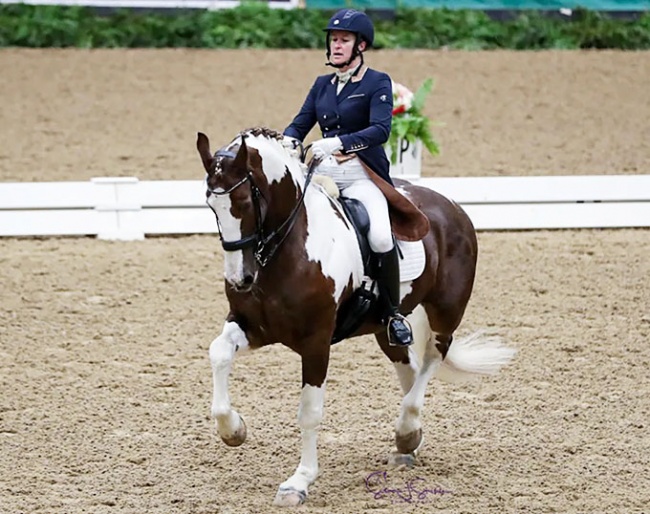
409	159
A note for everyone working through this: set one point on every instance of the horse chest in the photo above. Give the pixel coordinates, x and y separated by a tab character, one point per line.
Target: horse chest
269	323
286	307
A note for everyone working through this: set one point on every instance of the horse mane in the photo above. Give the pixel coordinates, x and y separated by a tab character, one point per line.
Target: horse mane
262	131
300	168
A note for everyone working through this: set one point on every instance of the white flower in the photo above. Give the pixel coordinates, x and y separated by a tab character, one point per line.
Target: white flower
402	96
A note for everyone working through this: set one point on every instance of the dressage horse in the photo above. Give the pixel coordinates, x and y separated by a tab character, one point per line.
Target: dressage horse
292	260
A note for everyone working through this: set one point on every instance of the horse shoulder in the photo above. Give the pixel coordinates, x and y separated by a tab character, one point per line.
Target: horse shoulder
332	242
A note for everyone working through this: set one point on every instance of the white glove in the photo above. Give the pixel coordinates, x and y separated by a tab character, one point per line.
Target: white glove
326	147
290	143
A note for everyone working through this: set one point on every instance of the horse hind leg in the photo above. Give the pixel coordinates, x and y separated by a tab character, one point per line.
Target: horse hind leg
434	355
414	366
230	425
433	339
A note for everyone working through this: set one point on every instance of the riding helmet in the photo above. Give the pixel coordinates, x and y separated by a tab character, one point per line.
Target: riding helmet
353	21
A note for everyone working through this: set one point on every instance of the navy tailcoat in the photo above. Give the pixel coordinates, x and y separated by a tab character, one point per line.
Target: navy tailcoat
360	115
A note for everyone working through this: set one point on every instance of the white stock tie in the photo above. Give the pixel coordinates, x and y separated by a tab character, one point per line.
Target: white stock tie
343	78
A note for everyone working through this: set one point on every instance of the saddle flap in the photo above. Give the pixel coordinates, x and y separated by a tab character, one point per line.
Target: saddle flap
357	214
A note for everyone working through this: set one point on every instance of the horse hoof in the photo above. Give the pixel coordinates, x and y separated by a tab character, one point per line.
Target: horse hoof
410	442
289	498
238	438
401	460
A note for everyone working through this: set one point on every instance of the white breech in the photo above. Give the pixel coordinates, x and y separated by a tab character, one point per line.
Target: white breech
353	182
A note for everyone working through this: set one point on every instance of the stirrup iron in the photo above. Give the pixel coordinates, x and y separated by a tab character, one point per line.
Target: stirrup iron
404	339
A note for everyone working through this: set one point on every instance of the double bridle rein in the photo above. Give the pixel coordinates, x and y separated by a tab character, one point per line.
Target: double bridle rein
265	245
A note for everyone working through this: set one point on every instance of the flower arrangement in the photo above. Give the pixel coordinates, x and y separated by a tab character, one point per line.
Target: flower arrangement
408	120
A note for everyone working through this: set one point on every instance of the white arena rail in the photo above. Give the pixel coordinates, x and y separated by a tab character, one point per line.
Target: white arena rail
126	208
550	202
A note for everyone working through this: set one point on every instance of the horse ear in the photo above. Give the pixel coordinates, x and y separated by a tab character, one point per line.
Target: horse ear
241	159
203	146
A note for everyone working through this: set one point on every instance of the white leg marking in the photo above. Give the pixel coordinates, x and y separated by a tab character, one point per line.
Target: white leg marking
222	352
409	418
406	373
310	415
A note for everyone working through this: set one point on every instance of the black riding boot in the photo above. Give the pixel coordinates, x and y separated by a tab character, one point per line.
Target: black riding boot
399	331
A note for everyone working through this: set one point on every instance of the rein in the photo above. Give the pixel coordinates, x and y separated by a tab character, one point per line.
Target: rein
264	251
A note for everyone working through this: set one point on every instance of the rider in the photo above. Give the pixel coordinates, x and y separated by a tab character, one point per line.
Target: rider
353	107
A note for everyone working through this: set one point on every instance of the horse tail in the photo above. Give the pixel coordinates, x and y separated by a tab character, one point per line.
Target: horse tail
476	355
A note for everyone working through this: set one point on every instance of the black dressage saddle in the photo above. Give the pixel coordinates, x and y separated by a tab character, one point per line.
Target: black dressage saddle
361	304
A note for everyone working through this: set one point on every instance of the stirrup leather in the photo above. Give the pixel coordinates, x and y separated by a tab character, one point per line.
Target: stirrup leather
402	335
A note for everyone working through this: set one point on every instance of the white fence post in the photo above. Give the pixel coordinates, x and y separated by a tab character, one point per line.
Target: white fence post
125	208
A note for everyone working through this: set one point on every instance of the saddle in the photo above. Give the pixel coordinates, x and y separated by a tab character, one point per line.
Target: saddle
410	228
358	217
352	313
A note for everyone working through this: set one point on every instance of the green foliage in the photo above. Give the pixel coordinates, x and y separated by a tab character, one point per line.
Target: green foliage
411	124
252	25
255	25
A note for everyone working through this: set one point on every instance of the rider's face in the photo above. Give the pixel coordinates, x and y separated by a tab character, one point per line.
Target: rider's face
342	45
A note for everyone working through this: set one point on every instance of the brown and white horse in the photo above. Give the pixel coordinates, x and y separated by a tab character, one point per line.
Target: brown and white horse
292	260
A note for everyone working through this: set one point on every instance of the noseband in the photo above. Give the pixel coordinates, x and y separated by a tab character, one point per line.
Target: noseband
265	247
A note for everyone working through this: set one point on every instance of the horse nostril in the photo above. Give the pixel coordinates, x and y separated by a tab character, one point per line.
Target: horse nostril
248	280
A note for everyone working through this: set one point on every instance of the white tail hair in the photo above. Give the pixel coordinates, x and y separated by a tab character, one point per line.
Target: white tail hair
476	355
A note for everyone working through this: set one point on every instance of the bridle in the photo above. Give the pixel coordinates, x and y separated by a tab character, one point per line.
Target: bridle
266	245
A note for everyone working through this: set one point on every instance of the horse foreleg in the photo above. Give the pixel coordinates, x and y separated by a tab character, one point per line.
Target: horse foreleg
293	491
230	425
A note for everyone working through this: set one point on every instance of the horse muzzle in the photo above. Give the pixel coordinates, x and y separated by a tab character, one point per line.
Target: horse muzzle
245	285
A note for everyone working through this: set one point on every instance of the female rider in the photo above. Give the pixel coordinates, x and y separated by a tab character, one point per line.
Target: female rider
353	107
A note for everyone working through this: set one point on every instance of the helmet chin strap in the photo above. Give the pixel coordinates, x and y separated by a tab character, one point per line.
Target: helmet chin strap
354	55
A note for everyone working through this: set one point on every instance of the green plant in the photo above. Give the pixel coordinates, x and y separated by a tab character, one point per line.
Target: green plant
255	25
409	121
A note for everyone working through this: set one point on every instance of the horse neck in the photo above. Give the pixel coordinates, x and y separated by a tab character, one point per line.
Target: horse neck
283	202
286	181
285	176
285	197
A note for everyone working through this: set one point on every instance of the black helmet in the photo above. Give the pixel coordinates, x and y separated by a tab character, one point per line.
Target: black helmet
353	21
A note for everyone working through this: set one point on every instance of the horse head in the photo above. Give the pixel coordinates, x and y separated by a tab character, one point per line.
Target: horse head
252	186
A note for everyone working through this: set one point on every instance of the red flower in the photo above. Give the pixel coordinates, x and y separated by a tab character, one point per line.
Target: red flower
399	110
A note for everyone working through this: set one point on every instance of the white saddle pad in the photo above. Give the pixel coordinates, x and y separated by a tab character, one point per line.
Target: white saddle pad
412	265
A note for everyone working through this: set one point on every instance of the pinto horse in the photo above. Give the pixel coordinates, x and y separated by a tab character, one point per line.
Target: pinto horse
293	260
